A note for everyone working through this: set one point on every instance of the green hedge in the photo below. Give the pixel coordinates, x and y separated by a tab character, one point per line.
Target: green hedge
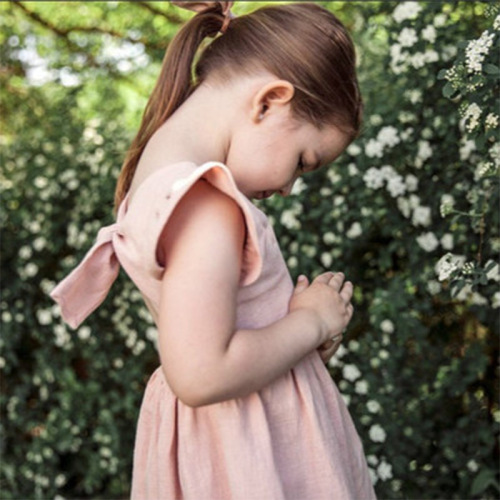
409	213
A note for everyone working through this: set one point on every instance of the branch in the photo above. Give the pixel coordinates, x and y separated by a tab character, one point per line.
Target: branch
172	18
63	33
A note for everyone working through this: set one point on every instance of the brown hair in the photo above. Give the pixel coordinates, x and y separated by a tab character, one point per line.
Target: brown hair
302	43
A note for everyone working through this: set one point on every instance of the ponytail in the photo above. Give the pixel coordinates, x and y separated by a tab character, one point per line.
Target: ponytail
173	87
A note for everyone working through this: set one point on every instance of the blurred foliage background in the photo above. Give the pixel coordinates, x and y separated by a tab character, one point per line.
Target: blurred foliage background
409	213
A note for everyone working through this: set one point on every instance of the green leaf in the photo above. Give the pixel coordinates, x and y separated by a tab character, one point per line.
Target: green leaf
448	90
442	74
491	69
490	266
482	481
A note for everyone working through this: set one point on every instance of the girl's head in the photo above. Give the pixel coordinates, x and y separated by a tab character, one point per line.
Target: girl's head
301	43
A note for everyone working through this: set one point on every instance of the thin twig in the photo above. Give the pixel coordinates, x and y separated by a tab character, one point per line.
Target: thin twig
84	29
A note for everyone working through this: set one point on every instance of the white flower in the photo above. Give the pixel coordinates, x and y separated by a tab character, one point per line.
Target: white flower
361	387
406	10
353	149
387	326
421	216
447	264
495	301
333	176
329	238
384	471
383	354
429	33
407	37
424	153
341	351
397	56
374	149
447	241
472	466
298	186
338	200
30	270
414	95
477	50
351	372
118	363
373	406
496	23
373	178
388	172
431	56
388	136
377	434
84	332
326	259
494	153
434	287
60	481
418	60
439	20
428	241
404	206
289	219
447	204
478	300
44	316
152	335
25	252
354	231
471	116
467	147
396	186
491	121
353	345
411	183
352	169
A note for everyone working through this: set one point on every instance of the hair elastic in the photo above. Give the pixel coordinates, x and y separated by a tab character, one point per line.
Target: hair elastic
202	6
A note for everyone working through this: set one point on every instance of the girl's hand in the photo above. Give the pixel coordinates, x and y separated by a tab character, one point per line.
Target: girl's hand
330	300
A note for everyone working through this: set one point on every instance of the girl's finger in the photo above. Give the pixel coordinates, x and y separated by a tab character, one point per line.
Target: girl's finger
346	292
324	278
333	346
336	281
350	310
302	284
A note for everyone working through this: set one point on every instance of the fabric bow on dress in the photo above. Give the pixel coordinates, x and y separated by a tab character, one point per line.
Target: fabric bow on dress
85	288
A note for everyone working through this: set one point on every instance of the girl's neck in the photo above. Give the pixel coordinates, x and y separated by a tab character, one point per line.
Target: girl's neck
200	129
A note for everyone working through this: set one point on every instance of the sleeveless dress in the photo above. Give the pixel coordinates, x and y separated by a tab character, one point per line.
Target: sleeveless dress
293	439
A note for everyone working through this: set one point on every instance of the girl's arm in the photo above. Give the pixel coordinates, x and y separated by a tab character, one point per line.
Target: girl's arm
204	358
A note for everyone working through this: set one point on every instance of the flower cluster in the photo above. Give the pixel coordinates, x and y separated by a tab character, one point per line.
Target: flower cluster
477	50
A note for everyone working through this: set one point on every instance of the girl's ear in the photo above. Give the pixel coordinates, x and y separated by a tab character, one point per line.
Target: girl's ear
270	95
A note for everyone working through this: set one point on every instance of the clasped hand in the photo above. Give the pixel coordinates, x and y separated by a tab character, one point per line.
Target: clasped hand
329	297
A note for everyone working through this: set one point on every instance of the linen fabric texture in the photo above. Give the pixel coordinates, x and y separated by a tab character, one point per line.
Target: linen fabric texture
293	439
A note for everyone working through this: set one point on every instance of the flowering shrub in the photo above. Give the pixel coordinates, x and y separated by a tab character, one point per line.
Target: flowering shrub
410	213
407	213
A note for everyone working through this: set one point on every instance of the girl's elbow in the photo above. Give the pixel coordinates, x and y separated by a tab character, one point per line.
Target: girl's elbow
192	389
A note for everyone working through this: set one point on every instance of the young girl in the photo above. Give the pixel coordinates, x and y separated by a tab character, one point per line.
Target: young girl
242	406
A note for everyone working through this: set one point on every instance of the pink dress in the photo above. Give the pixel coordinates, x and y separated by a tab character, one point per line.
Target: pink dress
293	439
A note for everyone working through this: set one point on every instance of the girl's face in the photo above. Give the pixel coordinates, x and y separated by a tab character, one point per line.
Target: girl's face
267	156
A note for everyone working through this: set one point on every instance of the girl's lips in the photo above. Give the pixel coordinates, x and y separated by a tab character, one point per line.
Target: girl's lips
265	194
